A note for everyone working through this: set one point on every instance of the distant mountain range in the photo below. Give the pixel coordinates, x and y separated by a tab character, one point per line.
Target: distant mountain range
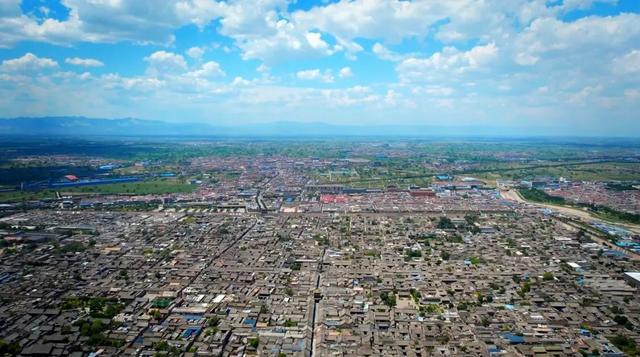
130	127
81	126
74	126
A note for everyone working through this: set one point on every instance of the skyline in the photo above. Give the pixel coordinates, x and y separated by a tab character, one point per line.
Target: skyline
540	67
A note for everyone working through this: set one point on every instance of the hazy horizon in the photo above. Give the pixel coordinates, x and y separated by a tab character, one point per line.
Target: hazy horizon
135	127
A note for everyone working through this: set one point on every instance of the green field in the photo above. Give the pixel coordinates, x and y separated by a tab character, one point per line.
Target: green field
129	188
535	195
18	196
617	171
136	188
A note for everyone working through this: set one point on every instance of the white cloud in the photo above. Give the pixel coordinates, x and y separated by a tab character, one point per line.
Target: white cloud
209	69
499	20
140	21
281	41
391	97
84	62
168	73
632	94
195	52
350	96
386	54
526	59
449	62
315	74
628	63
585	94
266	30
262	30
390	20
239	81
115	81
28	62
582	40
199	12
345	72
438	91
165	63
569	5
481	55
316	42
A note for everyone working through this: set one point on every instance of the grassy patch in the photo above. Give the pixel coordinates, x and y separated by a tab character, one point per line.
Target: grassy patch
611	214
535	195
98	307
626	344
19	196
155	187
161	303
137	188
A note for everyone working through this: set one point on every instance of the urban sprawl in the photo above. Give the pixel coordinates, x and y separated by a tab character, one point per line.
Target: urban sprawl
303	255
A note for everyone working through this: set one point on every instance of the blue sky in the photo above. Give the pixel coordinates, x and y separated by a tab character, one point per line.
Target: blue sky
558	67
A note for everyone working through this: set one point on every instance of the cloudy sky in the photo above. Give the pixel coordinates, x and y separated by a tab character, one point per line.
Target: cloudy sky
539	66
